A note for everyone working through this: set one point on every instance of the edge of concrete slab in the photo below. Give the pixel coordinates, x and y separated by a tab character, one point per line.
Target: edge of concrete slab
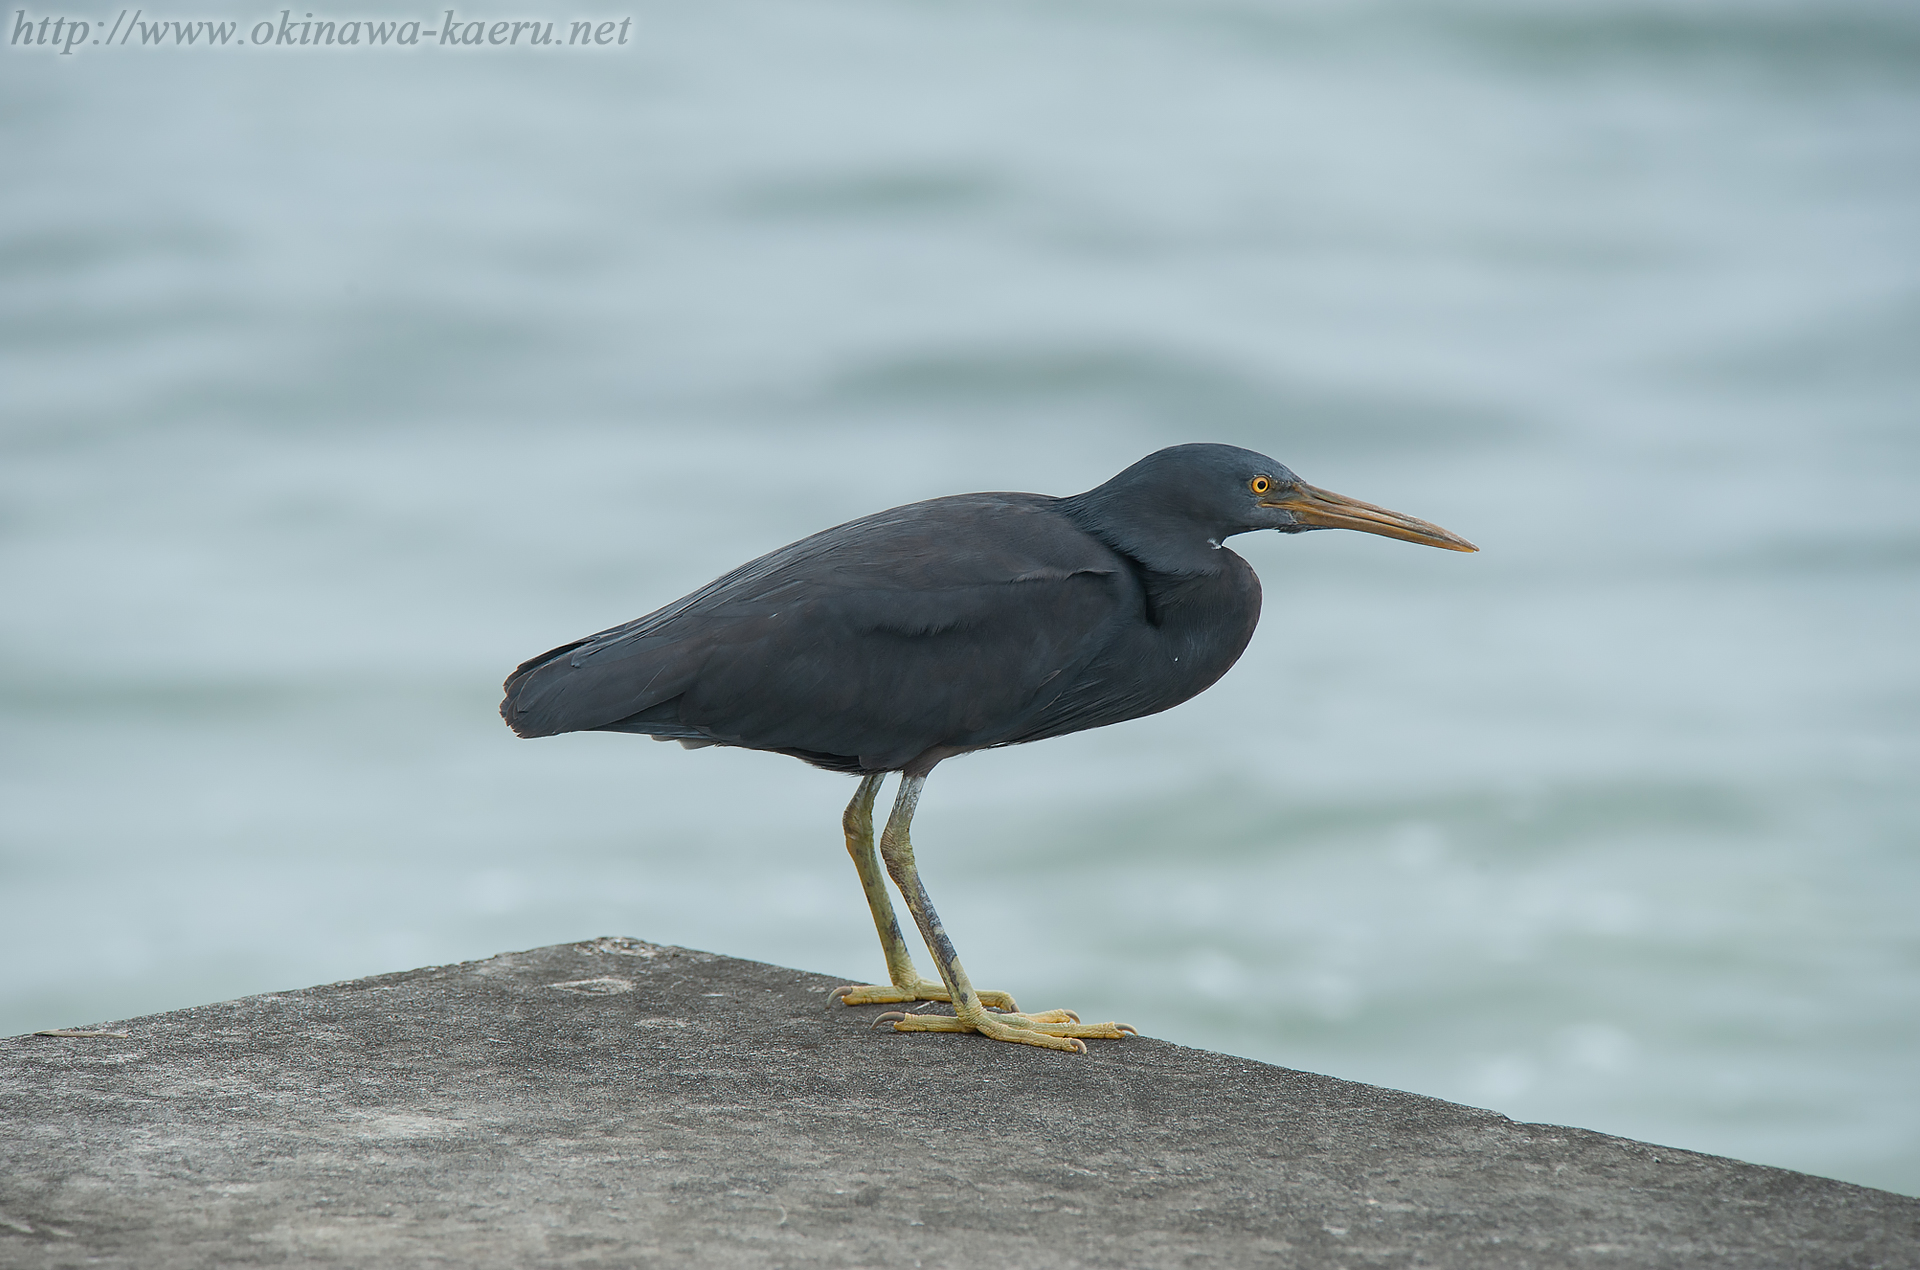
620	1103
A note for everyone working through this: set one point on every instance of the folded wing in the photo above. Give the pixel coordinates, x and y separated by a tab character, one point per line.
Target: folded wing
955	622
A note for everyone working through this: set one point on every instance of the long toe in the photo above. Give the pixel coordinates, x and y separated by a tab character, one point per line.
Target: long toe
1053	1029
925	990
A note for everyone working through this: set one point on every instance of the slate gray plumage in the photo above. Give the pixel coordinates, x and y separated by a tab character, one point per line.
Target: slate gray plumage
896	641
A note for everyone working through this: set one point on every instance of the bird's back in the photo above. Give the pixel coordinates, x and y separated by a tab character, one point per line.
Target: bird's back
945	623
952	624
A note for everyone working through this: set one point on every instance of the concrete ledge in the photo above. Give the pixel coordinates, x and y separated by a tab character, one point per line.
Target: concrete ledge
616	1103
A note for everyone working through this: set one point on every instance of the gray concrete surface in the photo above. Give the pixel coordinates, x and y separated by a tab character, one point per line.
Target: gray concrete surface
615	1103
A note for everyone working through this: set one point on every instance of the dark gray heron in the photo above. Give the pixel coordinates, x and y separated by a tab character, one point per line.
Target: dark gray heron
894	642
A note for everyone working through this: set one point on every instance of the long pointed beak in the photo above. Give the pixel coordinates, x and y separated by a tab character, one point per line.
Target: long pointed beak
1325	508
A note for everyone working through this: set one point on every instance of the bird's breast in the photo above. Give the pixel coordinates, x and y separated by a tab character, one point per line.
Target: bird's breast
1186	632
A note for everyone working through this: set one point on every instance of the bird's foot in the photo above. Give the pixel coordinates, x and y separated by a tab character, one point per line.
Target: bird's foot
924	990
1050	1029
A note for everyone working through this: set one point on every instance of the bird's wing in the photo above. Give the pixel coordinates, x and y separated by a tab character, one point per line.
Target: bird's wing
939	623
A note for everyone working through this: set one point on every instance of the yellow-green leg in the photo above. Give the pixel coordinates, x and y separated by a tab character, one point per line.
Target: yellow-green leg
907	984
1053	1029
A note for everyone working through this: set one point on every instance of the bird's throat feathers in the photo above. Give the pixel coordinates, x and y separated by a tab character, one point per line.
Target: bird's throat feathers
1159	540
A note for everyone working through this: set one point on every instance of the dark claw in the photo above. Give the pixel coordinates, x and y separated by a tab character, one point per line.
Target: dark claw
889	1017
841	991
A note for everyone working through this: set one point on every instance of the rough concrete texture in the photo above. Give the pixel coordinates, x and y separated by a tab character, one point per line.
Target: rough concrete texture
616	1103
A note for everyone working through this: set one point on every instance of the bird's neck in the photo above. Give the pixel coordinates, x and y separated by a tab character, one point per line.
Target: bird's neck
1163	542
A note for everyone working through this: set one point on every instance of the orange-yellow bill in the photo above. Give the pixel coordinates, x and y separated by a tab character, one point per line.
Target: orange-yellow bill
1311	506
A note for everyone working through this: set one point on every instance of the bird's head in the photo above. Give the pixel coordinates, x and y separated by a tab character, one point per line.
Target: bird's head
1282	501
1222	490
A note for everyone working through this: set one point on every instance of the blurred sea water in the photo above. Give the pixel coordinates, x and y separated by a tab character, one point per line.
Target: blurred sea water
333	383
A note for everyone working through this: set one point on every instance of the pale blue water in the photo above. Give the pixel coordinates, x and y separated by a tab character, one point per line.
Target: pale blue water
335	384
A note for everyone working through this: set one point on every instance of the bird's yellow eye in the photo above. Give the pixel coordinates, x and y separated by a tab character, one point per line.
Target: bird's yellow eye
1259	484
